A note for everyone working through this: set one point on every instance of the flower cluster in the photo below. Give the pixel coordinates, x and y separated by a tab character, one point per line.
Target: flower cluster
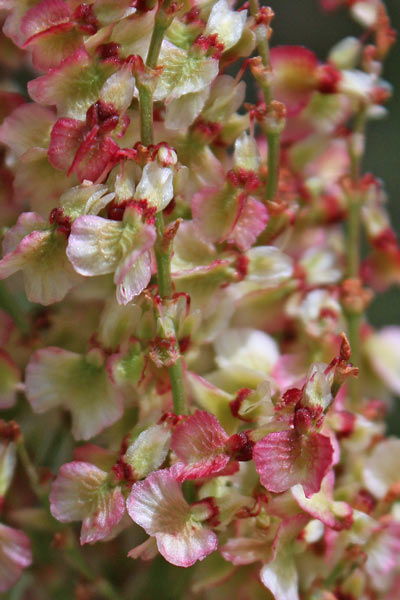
192	303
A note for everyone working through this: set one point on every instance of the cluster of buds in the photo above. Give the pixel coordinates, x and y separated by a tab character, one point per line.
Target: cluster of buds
187	352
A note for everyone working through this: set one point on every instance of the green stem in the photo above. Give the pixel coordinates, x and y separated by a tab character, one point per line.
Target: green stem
274	147
31	473
353	243
162	250
273	139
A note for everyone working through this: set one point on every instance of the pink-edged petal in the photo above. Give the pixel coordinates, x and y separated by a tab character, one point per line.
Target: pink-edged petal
135	280
280	575
81	492
17	260
48	276
146	551
26	224
93	246
294	76
15	556
216	211
44	15
245	551
28	126
193	543
322	506
199	442
57	377
65	138
73	86
157	504
286	458
251	222
49	48
94	158
155	186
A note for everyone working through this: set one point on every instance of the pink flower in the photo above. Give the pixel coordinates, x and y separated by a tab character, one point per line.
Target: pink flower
15	556
157	504
83	492
286	458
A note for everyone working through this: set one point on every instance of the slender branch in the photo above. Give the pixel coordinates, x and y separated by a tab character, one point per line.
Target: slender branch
273	138
162	251
353	244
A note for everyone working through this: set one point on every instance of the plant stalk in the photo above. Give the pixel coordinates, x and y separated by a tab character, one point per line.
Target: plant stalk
162	252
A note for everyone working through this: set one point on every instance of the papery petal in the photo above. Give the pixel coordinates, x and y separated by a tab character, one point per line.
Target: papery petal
58	377
246	155
15	556
81	492
216	211
251	222
193	543
50	33
246	347
135	280
66	137
38	183
245	551
383	351
73	86
225	98
94	157
322	506
294	76
181	112
268	266
155	186
85	199
118	90
146	551
148	451
211	398
226	23
286	458
44	15
47	274
49	48
183	73
198	442
280	575
93	246
382	468
28	126
157	504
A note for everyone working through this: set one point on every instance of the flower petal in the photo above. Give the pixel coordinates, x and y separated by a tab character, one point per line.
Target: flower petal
15	555
286	458
81	492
